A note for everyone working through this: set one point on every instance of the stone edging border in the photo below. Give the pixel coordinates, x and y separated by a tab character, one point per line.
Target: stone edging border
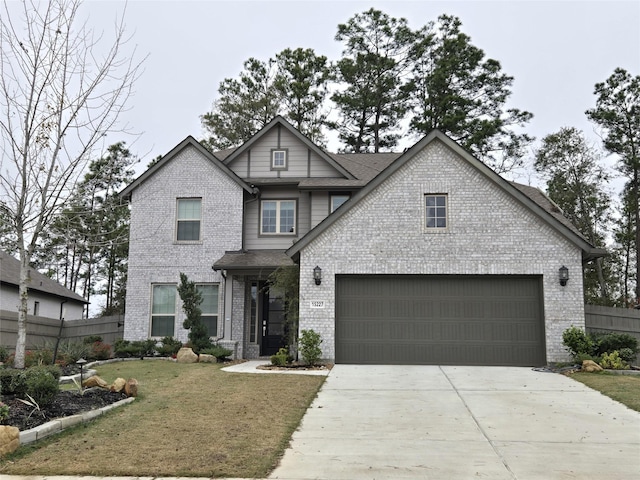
59	424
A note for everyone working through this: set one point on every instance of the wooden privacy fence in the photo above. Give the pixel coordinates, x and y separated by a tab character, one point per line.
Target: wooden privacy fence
611	319
44	331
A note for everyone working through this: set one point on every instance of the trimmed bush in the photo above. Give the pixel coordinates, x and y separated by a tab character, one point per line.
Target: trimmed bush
12	381
608	342
217	351
99	351
310	346
281	358
41	385
137	348
577	342
169	347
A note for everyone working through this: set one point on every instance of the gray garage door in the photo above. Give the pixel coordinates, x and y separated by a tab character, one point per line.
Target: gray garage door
440	320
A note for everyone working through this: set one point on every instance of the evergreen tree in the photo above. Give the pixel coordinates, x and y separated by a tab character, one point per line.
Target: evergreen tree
191	300
244	106
302	85
455	89
617	112
372	101
575	182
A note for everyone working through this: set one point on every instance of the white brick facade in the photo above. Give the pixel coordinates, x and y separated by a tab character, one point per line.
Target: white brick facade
488	232
156	257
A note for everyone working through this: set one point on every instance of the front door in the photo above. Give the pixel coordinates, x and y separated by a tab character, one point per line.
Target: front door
273	321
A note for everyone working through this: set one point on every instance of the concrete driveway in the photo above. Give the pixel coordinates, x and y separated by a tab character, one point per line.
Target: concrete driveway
430	422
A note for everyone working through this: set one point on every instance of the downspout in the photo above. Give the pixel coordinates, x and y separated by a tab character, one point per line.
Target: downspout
55	351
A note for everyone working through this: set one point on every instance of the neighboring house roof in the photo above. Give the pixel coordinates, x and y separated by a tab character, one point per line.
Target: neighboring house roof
10	275
530	197
253	259
308	143
187	142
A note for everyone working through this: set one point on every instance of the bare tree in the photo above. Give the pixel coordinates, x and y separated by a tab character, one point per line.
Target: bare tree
61	91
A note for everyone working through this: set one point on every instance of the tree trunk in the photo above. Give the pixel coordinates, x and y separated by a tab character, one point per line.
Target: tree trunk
23	290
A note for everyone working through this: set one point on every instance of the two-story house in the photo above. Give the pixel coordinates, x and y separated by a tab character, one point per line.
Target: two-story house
427	256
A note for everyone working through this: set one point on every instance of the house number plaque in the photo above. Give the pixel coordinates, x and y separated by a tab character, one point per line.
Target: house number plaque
317	303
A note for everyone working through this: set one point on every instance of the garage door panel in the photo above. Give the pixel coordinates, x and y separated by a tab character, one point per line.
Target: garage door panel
449	320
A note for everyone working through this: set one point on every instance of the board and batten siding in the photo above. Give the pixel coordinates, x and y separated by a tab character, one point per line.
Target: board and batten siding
301	161
253	240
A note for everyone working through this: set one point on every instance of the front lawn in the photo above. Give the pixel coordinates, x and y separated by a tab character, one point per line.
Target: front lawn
622	388
188	420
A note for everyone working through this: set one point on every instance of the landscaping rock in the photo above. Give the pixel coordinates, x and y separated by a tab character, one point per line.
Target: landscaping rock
95	381
131	387
9	439
186	355
204	358
118	385
590	366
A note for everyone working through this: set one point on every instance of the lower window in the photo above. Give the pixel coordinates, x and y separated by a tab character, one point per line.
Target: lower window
163	311
209	307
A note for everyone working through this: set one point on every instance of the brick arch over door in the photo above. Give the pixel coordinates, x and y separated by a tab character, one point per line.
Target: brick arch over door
440	320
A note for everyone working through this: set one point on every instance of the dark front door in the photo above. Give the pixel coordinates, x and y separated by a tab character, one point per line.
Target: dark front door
273	321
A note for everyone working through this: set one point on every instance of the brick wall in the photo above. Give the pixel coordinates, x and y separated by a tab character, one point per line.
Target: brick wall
488	233
155	257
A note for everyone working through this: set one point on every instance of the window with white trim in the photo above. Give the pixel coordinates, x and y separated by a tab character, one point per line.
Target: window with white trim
188	219
163	310
337	200
209	307
436	211
279	159
278	217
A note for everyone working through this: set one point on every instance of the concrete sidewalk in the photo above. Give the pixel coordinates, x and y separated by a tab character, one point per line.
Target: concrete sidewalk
430	422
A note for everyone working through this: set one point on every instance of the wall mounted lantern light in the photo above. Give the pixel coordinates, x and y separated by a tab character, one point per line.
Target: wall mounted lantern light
563	274
317	275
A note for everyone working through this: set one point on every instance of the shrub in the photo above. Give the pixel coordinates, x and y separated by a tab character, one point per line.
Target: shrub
41	385
41	356
69	352
4	354
99	351
217	351
613	361
4	412
577	342
12	381
627	354
92	339
581	357
281	358
137	348
608	342
54	370
310	346
169	346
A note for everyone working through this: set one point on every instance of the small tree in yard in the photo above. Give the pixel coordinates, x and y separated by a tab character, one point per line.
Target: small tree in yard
191	300
310	346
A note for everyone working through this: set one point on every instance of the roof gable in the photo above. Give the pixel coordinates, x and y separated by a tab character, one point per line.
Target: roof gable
186	143
521	194
282	123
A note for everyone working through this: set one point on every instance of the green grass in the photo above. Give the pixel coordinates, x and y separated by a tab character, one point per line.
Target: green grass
622	388
188	420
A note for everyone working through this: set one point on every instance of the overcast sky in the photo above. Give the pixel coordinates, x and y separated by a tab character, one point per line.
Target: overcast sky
555	50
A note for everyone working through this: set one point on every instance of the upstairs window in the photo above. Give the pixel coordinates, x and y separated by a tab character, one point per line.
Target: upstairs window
278	159
436	211
188	228
163	310
278	217
337	200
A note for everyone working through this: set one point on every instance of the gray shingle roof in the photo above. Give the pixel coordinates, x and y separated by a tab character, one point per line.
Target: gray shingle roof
10	275
253	259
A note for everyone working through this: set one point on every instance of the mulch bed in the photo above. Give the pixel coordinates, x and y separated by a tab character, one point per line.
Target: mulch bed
66	403
295	366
